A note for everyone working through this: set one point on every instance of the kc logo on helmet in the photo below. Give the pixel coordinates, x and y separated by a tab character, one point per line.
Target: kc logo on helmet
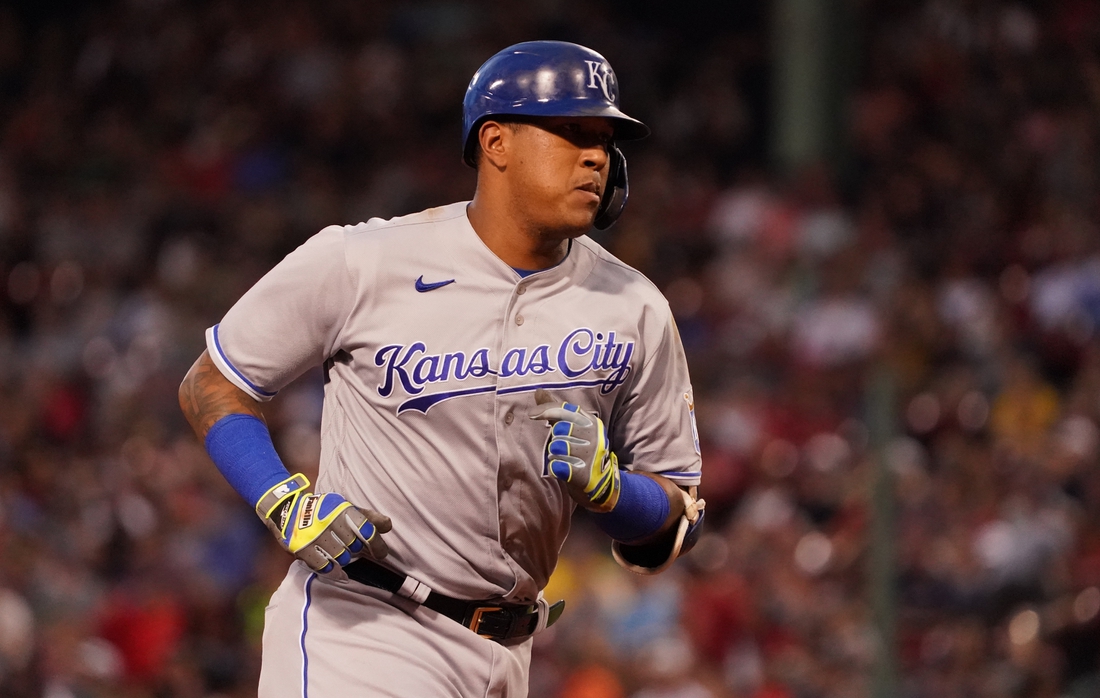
600	76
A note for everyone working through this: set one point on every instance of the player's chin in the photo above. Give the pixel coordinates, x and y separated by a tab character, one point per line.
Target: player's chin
580	216
575	226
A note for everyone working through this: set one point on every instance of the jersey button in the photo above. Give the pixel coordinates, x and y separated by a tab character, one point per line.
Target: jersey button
508	418
519	319
521	290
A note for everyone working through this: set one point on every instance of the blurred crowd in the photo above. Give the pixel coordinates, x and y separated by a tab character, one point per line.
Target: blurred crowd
905	340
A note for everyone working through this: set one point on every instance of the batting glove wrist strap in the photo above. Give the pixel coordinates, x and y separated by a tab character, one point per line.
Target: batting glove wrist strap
578	453
278	500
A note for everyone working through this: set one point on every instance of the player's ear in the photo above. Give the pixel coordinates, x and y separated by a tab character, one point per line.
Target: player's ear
494	139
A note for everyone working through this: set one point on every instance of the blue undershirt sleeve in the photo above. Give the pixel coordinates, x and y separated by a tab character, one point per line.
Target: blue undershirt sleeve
642	509
240	445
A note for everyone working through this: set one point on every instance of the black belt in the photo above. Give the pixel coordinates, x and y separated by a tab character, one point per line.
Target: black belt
491	620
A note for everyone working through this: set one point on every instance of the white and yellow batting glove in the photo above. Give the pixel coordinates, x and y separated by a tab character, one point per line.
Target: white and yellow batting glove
577	453
323	530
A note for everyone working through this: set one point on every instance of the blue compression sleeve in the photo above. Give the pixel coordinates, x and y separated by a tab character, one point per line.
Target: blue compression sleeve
240	445
643	506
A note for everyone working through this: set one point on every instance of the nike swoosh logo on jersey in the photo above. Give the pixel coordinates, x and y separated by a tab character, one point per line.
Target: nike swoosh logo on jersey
425	287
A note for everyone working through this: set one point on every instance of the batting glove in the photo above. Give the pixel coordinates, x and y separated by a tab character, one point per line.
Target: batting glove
323	530
577	453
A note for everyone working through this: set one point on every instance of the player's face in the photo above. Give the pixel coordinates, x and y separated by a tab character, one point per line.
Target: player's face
559	168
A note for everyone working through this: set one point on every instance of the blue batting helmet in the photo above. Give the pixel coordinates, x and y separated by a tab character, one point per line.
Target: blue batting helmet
552	78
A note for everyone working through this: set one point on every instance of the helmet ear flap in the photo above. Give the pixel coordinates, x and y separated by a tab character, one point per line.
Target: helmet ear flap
616	191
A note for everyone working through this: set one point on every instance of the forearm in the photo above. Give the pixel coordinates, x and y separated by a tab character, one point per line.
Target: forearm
654	553
231	426
649	508
327	532
675	503
206	396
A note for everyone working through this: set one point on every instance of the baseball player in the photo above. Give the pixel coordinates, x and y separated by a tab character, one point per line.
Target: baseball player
488	368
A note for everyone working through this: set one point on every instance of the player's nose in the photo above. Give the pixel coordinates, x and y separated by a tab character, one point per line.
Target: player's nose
595	157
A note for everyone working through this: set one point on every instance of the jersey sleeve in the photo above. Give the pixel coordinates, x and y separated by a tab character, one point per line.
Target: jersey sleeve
289	321
654	430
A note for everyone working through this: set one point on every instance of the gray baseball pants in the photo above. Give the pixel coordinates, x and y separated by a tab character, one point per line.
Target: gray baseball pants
324	639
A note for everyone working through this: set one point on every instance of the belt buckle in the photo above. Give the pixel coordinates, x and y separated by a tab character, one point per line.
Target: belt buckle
475	618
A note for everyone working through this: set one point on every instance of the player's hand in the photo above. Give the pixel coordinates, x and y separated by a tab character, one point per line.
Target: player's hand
323	530
577	453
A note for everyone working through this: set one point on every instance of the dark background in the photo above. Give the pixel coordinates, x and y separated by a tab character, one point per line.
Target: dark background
892	331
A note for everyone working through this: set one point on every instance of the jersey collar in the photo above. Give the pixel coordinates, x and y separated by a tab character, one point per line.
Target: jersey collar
571	267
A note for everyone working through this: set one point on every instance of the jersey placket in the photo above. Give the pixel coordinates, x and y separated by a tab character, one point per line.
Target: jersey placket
505	417
534	511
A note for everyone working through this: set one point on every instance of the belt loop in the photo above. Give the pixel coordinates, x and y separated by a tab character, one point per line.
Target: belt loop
415	590
544	614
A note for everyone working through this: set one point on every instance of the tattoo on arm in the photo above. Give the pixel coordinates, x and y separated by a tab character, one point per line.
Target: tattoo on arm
206	396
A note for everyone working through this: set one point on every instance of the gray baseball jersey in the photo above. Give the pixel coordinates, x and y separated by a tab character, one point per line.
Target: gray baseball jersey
433	348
